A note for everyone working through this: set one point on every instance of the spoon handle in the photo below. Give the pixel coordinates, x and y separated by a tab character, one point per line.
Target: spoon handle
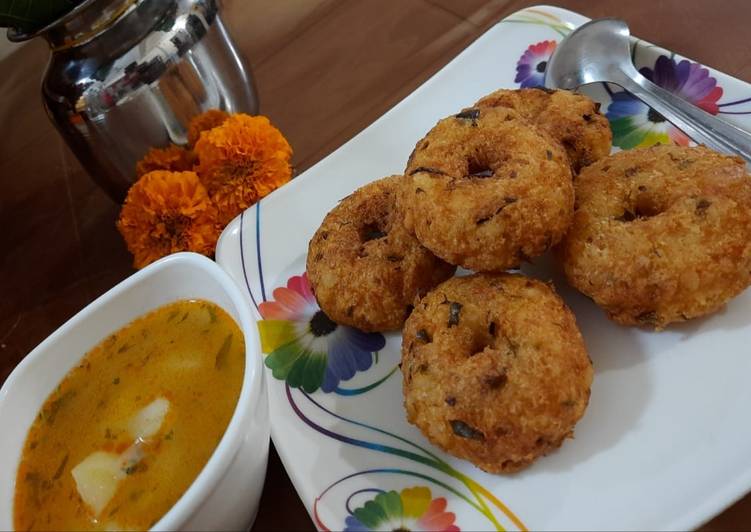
702	127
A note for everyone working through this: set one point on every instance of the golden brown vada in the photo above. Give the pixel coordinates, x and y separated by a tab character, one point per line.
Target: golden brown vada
486	190
495	370
365	269
571	118
660	234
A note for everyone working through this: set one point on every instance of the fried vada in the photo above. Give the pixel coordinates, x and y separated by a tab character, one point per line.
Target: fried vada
365	269
495	370
660	234
487	190
571	118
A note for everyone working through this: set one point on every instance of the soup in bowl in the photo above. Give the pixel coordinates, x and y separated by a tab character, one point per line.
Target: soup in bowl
163	423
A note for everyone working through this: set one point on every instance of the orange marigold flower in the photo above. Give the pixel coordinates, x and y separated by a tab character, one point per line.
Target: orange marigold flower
167	212
172	158
204	122
241	161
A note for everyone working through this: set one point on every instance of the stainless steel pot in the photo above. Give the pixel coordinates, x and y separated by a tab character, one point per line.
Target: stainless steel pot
128	75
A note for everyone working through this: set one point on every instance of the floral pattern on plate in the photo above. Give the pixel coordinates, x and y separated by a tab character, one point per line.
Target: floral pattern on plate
636	124
305	348
410	509
530	69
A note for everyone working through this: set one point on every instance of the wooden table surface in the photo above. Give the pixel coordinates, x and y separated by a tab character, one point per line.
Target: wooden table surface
325	69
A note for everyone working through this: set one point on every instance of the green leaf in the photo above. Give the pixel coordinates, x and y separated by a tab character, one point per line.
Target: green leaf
30	15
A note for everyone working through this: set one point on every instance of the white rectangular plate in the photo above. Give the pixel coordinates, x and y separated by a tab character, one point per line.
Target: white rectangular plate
665	442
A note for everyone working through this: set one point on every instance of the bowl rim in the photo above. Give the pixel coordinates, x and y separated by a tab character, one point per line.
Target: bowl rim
225	451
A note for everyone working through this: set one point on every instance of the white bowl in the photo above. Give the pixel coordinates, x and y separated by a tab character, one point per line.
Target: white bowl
224	496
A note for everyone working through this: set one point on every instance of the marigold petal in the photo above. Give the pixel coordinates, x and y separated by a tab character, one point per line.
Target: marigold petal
205	122
241	161
166	212
173	158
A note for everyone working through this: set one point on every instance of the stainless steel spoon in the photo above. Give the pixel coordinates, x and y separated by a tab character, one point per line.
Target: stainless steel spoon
599	51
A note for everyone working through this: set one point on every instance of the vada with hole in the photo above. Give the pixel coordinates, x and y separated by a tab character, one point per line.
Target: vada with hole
487	190
495	370
660	234
364	268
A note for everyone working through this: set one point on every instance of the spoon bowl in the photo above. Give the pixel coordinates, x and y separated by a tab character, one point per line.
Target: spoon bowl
600	51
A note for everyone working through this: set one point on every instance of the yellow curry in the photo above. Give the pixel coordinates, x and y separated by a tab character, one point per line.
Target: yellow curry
128	430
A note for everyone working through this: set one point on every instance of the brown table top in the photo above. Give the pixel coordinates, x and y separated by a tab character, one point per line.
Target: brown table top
325	69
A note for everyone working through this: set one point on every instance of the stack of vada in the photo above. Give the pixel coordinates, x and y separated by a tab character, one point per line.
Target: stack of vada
495	370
